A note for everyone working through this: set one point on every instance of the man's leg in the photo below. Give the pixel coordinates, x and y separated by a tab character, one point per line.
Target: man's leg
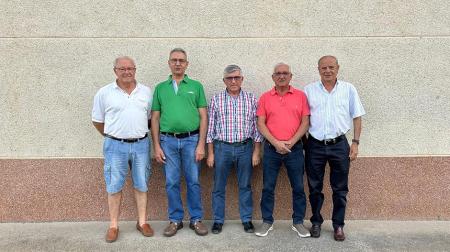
191	169
244	175
315	161
114	201
115	172
271	167
223	162
294	163
172	169
140	173
339	164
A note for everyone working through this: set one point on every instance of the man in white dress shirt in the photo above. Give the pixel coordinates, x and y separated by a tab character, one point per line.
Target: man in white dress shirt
121	113
335	107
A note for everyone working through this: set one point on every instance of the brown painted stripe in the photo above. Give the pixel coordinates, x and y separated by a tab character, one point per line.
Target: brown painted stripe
394	188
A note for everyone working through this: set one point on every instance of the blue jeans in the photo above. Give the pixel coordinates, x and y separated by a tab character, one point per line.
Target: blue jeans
294	163
180	156
226	156
118	156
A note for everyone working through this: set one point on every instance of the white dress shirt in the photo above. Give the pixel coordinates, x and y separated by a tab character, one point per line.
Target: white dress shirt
124	115
332	113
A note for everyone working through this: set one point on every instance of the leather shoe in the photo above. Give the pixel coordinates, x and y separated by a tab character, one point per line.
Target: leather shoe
199	228
145	229
216	228
248	227
112	234
315	231
172	229
339	234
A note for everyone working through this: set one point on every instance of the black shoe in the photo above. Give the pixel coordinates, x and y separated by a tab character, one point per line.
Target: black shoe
216	228
248	227
315	231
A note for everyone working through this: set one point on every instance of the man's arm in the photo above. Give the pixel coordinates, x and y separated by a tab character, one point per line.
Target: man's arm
210	159
280	146
200	150
256	157
304	125
357	122
100	127
159	154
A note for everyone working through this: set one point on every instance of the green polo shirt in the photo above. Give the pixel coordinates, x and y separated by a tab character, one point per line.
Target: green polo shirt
179	111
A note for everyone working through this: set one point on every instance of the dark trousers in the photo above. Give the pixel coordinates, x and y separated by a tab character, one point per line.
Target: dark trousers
293	162
317	155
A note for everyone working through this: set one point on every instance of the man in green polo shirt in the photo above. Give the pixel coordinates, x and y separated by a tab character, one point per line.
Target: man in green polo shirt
179	124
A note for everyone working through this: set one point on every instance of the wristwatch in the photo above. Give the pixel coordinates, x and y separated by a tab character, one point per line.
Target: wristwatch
356	141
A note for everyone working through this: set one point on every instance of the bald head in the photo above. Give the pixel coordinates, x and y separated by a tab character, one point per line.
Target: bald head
328	57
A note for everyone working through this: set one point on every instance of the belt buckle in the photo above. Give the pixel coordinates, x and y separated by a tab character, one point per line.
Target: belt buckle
176	134
329	141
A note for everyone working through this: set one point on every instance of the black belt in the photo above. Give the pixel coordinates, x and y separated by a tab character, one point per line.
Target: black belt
328	141
129	140
236	143
181	135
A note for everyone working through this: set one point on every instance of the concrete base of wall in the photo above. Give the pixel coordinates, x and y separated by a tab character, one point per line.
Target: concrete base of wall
394	188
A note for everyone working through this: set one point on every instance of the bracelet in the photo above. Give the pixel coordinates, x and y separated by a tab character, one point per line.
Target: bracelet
356	141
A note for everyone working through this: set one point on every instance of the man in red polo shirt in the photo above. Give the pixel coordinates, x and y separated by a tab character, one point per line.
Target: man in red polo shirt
283	118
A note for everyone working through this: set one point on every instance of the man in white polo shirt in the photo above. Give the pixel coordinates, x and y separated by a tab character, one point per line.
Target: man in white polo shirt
335	107
121	113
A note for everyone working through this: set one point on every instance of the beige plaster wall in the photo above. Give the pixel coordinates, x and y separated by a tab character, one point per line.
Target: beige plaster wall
57	54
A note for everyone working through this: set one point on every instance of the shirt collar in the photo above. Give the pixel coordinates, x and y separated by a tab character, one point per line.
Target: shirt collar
273	91
185	79
324	89
116	86
228	94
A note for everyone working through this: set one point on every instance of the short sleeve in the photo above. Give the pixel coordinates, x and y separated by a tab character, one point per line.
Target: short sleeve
201	103
261	110
98	109
356	107
156	105
305	105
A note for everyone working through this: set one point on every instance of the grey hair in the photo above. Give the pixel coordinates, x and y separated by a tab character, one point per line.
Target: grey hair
178	49
123	58
232	68
281	64
327	56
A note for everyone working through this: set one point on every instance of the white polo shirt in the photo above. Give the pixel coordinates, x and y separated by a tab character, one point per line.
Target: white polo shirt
332	112
124	115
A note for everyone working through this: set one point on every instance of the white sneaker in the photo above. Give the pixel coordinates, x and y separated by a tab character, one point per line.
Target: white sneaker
301	230
264	229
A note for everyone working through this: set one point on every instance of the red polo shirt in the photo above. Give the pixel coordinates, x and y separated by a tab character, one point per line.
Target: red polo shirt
283	113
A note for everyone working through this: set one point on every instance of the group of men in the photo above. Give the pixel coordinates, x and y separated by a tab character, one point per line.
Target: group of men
233	128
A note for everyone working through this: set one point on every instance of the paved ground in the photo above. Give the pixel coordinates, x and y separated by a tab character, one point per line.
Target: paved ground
361	236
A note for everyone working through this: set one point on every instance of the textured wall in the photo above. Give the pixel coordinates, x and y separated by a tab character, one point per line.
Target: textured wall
57	55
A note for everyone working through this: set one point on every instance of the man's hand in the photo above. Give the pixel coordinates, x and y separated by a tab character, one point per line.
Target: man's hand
256	158
199	153
282	147
210	160
353	152
159	155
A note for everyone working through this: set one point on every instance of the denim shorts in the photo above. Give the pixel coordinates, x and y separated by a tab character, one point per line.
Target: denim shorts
121	156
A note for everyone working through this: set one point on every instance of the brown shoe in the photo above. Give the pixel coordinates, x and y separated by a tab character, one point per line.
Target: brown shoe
339	234
145	229
199	228
112	234
172	229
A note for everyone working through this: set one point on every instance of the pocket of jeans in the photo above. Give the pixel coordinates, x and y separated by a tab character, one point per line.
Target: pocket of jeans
107	173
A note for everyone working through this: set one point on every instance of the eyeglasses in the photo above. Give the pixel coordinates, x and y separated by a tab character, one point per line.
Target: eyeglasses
124	69
179	61
279	74
231	78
